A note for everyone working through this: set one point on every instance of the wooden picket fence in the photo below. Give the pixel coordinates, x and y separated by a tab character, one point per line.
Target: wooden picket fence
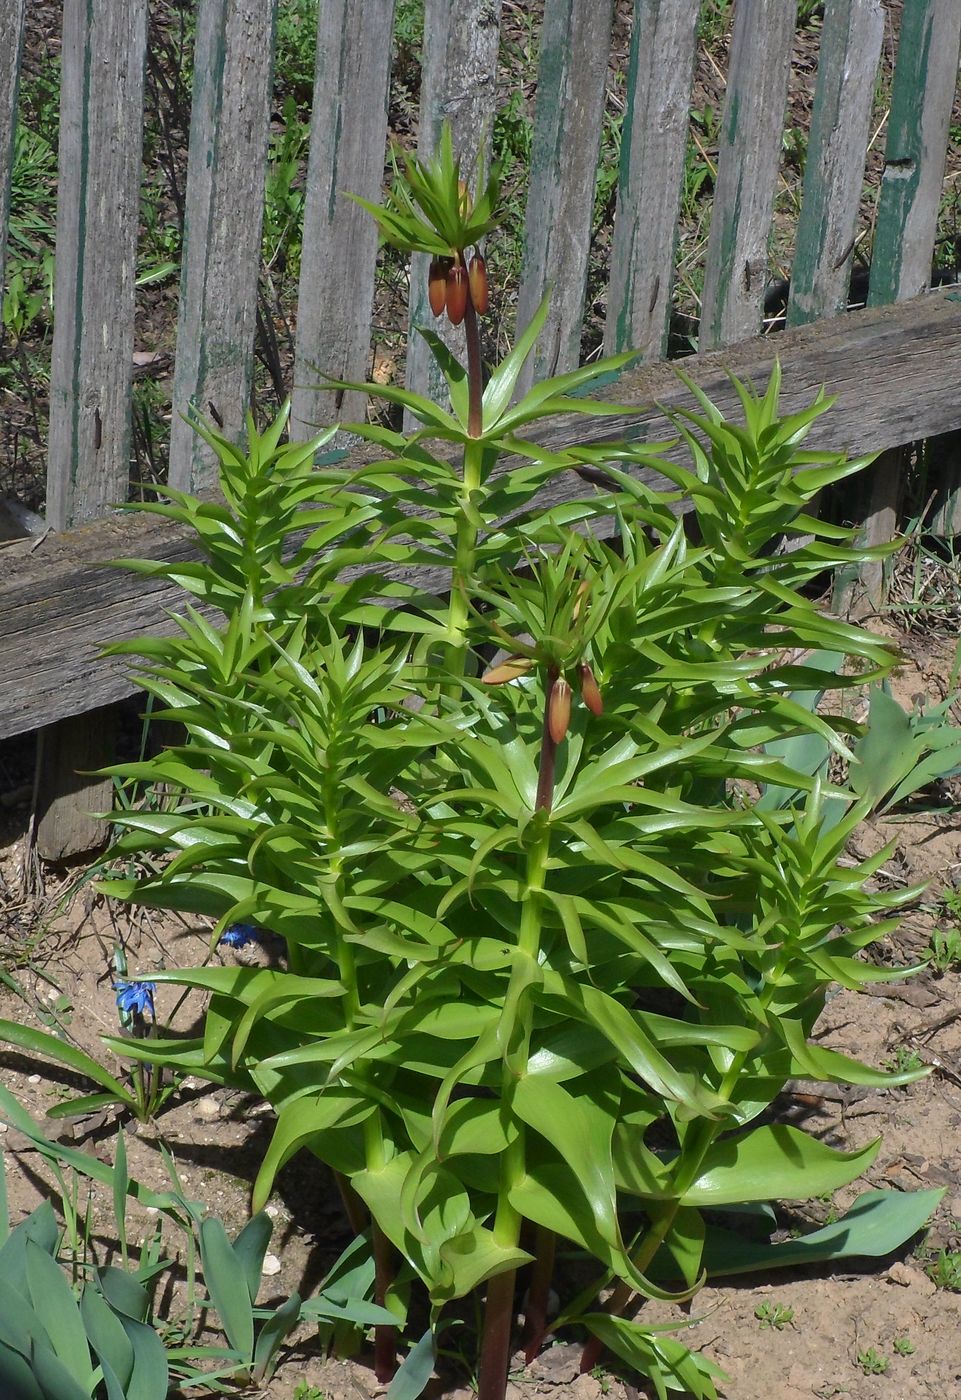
895	366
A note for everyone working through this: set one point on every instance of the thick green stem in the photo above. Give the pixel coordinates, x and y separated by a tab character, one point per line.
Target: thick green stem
466	543
475	373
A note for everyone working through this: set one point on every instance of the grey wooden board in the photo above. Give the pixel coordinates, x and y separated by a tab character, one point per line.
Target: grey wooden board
223	221
653	148
11	42
834	174
575	47
749	152
98	210
458	85
925	81
894	370
347	135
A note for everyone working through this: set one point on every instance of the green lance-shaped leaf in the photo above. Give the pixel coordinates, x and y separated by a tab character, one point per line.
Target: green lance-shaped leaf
226	1284
249	1248
775	1162
581	1130
41	1043
55	1305
878	1223
668	1364
107	1335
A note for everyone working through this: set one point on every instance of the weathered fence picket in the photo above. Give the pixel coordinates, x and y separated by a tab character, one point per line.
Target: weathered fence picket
11	44
653	147
458	85
751	134
229	128
347	132
88	462
571	76
837	149
98	209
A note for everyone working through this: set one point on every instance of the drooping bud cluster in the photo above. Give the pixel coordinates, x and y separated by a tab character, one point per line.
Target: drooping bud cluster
560	696
450	284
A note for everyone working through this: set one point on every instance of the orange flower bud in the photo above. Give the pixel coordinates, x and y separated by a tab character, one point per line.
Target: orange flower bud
559	710
591	691
456	294
437	284
507	670
479	290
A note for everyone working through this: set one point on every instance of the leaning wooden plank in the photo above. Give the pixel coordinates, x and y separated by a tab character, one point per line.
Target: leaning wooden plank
894	371
834	173
458	85
653	147
229	128
571	78
11	42
750	146
98	209
347	135
925	81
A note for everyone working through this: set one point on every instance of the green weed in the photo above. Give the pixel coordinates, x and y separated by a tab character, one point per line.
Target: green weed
872	1363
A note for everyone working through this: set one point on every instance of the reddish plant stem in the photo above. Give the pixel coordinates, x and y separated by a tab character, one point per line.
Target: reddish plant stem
475	373
548	761
538	1293
496	1345
354	1208
385	1337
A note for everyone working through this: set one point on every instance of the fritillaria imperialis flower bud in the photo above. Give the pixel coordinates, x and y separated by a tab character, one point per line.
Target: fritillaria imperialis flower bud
437	284
559	710
507	670
465	200
456	294
591	691
479	290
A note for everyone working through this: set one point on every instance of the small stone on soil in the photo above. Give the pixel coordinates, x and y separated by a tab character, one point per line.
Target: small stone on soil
271	1265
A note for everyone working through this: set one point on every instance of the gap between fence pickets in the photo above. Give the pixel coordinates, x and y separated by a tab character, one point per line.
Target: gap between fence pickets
895	372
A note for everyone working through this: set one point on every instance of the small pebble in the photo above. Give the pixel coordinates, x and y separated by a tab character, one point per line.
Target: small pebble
208	1107
271	1265
273	1211
33	1079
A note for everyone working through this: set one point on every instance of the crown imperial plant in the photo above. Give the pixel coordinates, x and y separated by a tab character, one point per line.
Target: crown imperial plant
548	965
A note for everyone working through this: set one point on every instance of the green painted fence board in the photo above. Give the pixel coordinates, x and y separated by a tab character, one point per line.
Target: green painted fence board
834	174
347	135
653	147
98	208
458	85
11	42
925	78
750	146
572	66
223	223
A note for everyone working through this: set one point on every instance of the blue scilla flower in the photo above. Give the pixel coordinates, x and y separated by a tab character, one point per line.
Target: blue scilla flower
135	998
239	935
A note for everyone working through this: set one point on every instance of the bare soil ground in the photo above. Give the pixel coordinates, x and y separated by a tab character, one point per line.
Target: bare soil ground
217	1138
